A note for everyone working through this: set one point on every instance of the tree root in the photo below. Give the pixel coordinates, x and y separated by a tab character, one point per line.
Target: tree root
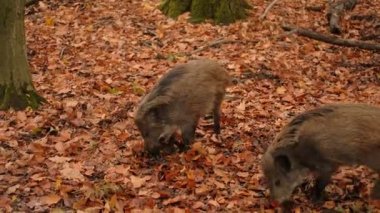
19	100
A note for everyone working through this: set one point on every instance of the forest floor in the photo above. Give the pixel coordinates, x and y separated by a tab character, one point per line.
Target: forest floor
93	61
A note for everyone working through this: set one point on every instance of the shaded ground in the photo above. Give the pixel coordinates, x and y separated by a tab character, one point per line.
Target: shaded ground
94	60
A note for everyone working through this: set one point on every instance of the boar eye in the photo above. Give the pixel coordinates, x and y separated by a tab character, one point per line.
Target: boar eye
277	183
161	139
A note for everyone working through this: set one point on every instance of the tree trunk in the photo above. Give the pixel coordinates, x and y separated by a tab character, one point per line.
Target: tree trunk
16	88
221	11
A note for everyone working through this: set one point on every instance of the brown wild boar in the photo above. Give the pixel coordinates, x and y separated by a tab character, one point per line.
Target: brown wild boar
176	103
319	141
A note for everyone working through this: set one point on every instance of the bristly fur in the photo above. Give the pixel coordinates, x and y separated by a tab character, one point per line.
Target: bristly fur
178	100
319	141
289	133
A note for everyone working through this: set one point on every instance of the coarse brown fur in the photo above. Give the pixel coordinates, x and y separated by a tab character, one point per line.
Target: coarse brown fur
179	99
320	141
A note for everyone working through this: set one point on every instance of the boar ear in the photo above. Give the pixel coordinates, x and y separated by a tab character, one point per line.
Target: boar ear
155	104
283	163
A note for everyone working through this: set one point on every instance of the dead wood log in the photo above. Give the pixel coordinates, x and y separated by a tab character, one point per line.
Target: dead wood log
336	11
332	39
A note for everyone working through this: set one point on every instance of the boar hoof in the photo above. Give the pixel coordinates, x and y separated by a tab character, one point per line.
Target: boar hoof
183	148
318	197
170	149
153	154
157	158
375	194
287	206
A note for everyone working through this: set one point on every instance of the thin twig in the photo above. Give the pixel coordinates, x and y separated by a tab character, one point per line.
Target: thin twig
267	9
61	53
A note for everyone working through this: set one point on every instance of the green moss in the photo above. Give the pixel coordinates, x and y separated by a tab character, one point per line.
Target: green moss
229	11
222	11
202	10
19	100
174	8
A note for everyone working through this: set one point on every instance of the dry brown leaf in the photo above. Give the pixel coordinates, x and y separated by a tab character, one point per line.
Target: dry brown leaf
174	200
155	195
329	205
12	189
197	146
281	90
59	159
243	174
57	210
241	107
214	203
198	205
202	189
72	172
137	182
50	199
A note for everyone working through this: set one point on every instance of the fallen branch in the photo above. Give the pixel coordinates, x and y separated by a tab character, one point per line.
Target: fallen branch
267	9
335	12
30	2
332	39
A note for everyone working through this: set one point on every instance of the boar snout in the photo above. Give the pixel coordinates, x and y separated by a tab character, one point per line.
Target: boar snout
164	140
153	148
166	136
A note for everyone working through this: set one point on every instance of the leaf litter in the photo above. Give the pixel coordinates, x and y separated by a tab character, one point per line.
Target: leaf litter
94	60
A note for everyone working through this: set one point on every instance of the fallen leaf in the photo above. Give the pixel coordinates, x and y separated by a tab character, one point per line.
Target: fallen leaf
329	205
58	159
202	189
57	210
281	90
199	148
155	195
243	174
214	203
241	107
174	200
198	205
50	199
12	189
137	182
72	173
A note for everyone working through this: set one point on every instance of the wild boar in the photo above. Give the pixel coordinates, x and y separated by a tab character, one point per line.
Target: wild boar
318	142
176	103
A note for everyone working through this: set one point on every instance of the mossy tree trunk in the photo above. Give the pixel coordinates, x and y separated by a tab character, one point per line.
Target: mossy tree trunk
16	88
221	11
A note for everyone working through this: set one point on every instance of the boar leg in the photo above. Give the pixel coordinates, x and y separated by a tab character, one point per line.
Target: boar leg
323	178
188	134
375	194
216	112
